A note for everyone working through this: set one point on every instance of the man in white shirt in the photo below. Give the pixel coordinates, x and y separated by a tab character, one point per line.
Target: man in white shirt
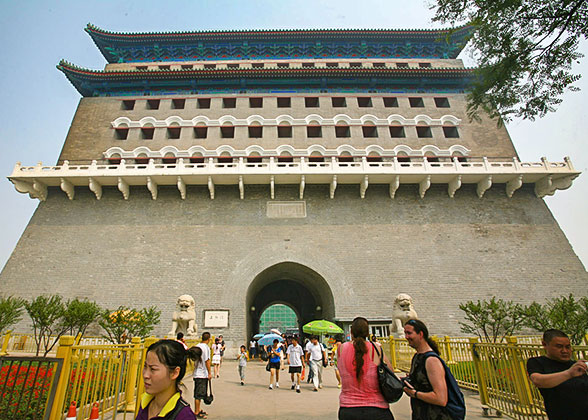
295	356
202	374
315	356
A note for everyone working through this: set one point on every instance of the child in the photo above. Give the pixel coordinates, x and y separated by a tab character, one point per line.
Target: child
164	368
243	358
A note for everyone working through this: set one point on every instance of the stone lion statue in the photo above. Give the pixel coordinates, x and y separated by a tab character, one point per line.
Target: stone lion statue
403	311
184	318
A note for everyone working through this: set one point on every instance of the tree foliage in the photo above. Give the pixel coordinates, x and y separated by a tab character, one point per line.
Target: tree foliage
46	313
125	323
564	313
78	315
10	311
52	318
492	320
525	50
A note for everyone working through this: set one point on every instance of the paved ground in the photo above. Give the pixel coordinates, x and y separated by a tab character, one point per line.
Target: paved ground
255	401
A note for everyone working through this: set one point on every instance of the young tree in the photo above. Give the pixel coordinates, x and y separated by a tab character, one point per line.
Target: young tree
46	313
525	50
125	323
492	320
10	311
78	315
563	313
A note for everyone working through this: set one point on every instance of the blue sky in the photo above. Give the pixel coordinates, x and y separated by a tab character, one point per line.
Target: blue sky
37	103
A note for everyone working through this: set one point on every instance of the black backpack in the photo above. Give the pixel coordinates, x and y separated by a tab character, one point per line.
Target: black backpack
455	400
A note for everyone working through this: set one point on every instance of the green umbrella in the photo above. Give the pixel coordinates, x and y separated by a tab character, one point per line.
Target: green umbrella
321	326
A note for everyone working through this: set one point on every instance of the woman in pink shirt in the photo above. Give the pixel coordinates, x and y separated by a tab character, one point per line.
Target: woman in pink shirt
360	396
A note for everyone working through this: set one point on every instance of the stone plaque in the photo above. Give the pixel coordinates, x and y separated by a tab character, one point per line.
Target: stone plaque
216	319
286	209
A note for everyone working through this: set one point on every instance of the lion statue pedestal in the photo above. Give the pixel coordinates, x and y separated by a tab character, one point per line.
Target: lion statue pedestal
403	311
184	318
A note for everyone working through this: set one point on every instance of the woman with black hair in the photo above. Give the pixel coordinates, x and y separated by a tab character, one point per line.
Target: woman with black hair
425	384
163	371
358	361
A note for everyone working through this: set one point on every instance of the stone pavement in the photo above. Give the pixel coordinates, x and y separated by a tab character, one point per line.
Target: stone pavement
255	401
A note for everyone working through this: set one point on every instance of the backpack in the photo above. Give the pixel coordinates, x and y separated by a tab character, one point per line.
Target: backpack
455	400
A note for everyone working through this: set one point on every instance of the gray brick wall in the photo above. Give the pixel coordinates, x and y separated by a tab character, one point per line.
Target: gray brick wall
439	250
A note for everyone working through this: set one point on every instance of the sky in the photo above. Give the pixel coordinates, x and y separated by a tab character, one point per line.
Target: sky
37	103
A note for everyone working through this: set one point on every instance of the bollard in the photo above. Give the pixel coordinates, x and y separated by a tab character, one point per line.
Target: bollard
95	413
72	412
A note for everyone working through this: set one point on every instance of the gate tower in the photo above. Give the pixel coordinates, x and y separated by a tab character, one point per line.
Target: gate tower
329	170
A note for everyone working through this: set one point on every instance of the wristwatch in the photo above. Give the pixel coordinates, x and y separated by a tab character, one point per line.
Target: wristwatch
415	394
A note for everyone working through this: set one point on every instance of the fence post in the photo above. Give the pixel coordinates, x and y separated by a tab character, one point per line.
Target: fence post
520	374
4	350
448	355
63	352
141	386
392	352
480	374
134	358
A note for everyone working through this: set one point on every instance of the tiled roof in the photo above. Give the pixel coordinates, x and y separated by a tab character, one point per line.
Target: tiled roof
85	79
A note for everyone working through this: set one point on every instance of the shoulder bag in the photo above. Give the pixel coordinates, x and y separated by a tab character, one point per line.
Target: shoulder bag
209	397
390	386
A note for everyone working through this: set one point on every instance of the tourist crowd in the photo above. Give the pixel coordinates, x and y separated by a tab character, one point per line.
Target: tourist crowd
360	369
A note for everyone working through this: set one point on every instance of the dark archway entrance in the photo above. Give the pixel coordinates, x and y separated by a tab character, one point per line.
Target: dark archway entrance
295	285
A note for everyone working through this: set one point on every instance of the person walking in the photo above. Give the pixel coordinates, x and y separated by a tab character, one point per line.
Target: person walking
295	356
202	374
216	357
223	347
335	361
358	362
252	348
314	357
275	356
426	384
243	358
165	366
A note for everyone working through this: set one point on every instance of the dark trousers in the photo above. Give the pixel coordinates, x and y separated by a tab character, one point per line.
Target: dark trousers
363	413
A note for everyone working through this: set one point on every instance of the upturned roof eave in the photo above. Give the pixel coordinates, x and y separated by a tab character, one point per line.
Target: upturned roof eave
66	67
99	33
106	39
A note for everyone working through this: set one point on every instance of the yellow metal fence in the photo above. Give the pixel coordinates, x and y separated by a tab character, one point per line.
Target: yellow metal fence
497	371
111	374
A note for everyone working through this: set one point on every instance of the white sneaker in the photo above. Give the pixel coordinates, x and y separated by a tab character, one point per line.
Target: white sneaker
277	385
271	386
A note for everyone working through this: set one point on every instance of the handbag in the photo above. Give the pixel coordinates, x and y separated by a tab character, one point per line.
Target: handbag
263	355
390	385
268	367
209	397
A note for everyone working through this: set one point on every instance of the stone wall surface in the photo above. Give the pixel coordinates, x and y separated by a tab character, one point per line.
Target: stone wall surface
91	132
441	251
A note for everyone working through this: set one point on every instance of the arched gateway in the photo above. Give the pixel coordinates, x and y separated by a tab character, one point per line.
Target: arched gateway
293	284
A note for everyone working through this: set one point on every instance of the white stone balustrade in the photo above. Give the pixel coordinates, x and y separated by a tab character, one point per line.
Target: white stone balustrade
484	172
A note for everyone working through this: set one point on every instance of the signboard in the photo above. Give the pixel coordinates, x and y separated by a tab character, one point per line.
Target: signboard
216	319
